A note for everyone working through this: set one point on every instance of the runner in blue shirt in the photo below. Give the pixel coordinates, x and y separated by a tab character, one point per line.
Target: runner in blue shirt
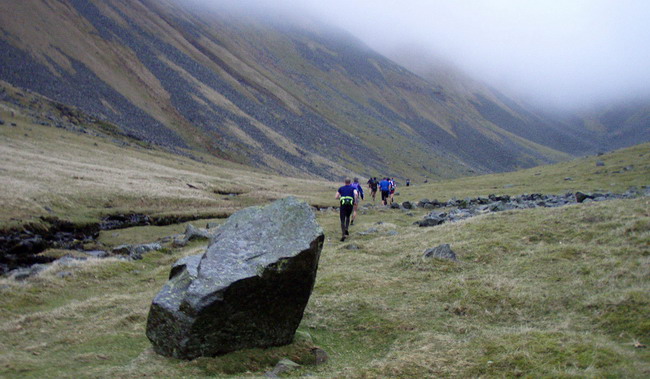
384	185
346	195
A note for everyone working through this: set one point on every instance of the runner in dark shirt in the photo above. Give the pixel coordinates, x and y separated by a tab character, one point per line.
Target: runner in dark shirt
372	184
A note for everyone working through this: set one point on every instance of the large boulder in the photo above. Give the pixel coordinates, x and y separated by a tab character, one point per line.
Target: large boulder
249	289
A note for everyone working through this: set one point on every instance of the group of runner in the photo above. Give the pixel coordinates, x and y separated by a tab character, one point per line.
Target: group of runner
387	187
351	193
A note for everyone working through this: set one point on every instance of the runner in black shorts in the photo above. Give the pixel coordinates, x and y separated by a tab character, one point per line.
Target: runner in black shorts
347	196
384	185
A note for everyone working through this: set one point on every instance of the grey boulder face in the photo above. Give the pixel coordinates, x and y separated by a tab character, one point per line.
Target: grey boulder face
249	289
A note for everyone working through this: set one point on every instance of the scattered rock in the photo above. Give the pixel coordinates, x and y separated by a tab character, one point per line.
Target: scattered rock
394	205
351	247
64	274
2	122
581	197
301	335
249	289
192	233
124	221
600	163
442	252
179	242
432	219
408	205
135	251
320	355
69	261
212	225
284	366
368	231
97	253
24	273
568	178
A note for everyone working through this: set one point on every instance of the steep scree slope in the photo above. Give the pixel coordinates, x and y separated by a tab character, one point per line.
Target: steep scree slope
287	94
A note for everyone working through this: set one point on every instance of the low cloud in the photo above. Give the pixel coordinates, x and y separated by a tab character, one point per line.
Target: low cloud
556	53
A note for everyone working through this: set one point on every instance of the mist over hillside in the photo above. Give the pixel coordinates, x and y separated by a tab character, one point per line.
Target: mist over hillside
287	94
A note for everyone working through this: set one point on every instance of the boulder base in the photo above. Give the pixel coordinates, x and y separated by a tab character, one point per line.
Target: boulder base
249	289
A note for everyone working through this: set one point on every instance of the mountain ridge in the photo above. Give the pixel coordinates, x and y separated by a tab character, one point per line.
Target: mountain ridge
290	97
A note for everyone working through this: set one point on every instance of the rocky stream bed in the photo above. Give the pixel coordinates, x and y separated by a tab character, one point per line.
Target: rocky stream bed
19	249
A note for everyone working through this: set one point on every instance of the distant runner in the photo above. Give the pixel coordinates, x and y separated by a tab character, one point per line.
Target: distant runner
346	195
357	200
372	184
392	188
384	186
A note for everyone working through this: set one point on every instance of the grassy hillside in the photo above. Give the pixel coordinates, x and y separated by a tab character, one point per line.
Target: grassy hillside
88	172
285	94
542	292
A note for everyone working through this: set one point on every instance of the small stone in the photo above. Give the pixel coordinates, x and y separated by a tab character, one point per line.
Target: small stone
64	274
320	355
179	242
408	205
568	178
283	366
192	233
351	247
301	335
369	231
600	163
442	252
581	197
97	253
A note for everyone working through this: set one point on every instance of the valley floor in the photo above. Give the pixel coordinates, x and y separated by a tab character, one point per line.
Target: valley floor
562	292
542	292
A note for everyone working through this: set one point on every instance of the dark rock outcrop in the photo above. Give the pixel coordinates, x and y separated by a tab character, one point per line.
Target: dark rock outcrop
249	289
